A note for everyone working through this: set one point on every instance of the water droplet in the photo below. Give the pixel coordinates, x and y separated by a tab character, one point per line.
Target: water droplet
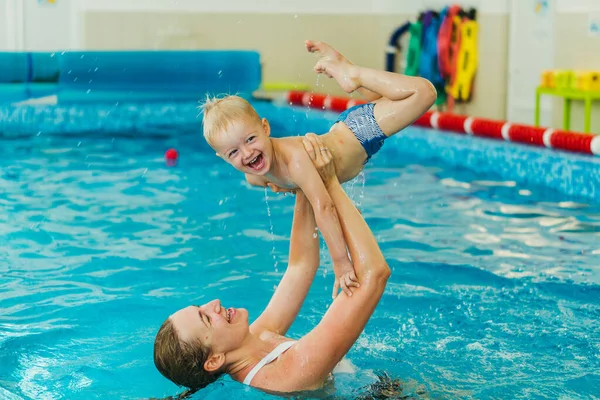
271	225
82	56
239	21
90	81
88	91
315	235
52	55
69	73
63	53
75	79
220	73
39	133
95	69
78	144
295	16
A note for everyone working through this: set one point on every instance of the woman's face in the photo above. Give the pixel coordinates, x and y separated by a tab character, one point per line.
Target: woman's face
220	329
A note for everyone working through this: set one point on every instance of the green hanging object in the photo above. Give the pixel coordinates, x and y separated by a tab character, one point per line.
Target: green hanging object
414	49
441	96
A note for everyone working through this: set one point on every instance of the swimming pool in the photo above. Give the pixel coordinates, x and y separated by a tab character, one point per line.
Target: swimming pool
495	287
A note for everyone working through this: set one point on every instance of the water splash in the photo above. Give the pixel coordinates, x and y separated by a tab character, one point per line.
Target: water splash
271	230
323	254
363	180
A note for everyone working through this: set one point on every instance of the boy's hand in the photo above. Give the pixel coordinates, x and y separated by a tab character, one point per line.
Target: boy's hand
345	278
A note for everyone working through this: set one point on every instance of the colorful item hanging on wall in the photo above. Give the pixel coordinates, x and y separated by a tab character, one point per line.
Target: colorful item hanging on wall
442	47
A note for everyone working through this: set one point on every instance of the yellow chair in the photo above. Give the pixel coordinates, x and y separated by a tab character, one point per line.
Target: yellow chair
564	79
548	79
587	80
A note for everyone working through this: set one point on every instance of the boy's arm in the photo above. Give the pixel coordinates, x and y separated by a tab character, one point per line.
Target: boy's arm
307	178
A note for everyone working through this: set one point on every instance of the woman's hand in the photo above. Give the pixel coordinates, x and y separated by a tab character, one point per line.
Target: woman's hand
321	157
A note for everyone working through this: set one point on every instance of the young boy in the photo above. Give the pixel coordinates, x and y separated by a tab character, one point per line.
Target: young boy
239	136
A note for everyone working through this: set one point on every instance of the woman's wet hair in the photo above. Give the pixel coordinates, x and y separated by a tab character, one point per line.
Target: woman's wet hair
182	362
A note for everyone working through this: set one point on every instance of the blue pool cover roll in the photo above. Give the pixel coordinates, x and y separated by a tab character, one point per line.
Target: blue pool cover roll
13	67
43	67
108	76
29	67
27	75
191	72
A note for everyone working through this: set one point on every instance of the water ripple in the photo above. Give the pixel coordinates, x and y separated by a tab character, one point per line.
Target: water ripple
494	291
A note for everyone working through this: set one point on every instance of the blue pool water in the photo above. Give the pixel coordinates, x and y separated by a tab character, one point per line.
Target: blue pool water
495	291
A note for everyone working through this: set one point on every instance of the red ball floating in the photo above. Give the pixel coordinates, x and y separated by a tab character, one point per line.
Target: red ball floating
171	156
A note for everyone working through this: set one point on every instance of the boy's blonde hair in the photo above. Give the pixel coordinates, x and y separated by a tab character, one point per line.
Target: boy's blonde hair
220	113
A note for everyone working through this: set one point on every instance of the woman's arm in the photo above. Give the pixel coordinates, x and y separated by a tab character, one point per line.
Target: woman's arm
303	263
311	360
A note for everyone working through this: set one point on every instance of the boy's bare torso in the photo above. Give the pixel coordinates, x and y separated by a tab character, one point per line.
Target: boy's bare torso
348	155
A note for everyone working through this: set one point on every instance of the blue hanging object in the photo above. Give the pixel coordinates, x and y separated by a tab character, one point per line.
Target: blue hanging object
394	47
428	63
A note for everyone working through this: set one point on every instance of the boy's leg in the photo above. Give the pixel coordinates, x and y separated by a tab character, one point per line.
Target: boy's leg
404	98
399	99
324	50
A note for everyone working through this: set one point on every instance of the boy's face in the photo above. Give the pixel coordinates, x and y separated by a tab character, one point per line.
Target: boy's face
246	146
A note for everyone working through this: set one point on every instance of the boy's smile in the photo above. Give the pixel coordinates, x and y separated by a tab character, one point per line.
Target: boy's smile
247	147
257	163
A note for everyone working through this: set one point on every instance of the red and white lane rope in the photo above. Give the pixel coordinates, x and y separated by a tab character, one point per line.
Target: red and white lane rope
553	138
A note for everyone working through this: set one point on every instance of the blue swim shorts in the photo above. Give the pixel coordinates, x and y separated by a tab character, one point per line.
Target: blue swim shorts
361	121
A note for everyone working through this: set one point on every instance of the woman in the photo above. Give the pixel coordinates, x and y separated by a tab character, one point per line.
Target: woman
196	345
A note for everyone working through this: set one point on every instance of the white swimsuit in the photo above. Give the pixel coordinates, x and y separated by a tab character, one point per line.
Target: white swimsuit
272	356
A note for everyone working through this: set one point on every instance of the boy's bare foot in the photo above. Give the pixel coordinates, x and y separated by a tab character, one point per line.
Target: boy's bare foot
333	64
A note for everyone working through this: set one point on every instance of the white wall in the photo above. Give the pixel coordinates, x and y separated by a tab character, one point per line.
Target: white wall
531	51
35	25
289	6
5	30
577	6
11	25
47	26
